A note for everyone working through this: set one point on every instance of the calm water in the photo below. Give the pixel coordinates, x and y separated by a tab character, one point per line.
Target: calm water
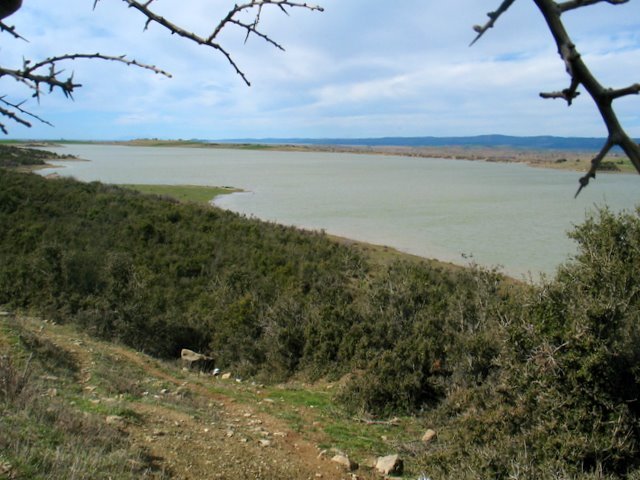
501	214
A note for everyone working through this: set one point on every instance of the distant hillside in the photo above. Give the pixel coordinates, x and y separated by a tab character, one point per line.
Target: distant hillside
534	143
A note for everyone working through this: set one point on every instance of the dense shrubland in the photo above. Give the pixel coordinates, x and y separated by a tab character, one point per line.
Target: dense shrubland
521	381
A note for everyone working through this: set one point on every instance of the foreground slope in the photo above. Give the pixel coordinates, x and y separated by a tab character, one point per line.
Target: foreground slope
519	381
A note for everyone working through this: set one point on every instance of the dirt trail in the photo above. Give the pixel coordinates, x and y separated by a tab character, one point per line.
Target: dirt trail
193	431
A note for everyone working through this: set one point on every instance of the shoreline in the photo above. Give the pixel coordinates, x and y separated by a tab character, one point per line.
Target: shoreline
568	160
380	254
554	159
383	249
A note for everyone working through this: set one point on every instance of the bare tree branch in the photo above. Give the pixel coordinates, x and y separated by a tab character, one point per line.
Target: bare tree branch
568	94
46	75
595	162
493	18
572	5
632	90
15	116
30	73
580	74
209	40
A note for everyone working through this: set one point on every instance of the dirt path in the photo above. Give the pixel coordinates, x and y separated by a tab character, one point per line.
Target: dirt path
192	430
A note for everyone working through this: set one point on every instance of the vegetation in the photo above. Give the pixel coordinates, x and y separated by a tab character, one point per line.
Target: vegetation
49	430
13	156
520	381
184	193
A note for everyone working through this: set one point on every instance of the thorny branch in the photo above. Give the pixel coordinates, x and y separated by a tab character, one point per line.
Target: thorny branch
252	7
17	107
47	76
579	75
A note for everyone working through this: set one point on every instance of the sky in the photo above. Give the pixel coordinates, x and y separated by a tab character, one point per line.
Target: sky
362	68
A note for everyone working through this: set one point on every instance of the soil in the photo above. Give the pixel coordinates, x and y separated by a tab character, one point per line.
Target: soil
191	430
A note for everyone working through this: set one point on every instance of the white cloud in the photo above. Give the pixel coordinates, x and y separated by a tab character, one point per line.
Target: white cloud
361	68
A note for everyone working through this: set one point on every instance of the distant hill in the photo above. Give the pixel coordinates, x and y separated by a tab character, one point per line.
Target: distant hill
535	143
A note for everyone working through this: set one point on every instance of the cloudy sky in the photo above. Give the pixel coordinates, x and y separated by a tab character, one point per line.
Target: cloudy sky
363	68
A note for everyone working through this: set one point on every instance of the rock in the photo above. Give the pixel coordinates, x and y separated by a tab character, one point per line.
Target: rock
345	462
115	420
264	442
390	465
195	360
428	436
226	376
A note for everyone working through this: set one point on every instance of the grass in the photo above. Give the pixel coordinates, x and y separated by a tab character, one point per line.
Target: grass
56	432
184	193
311	410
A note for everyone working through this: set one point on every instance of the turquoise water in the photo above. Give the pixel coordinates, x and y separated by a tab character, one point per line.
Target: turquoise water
509	215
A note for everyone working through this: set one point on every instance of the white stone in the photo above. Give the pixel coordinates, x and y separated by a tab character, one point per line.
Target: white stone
428	436
391	464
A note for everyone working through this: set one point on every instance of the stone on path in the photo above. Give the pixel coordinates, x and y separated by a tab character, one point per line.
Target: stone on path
390	465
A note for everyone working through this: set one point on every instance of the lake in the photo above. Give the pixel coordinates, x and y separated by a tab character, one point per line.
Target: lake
509	215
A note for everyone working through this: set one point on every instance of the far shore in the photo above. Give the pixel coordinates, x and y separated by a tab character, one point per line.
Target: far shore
572	160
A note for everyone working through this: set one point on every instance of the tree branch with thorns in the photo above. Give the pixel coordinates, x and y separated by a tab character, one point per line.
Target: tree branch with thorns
580	75
47	75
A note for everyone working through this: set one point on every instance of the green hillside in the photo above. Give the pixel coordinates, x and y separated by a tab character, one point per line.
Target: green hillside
540	381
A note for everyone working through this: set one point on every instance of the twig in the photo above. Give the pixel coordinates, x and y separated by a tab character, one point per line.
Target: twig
595	162
12	31
493	18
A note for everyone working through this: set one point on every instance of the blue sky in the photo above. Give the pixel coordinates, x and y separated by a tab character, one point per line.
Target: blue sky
363	68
